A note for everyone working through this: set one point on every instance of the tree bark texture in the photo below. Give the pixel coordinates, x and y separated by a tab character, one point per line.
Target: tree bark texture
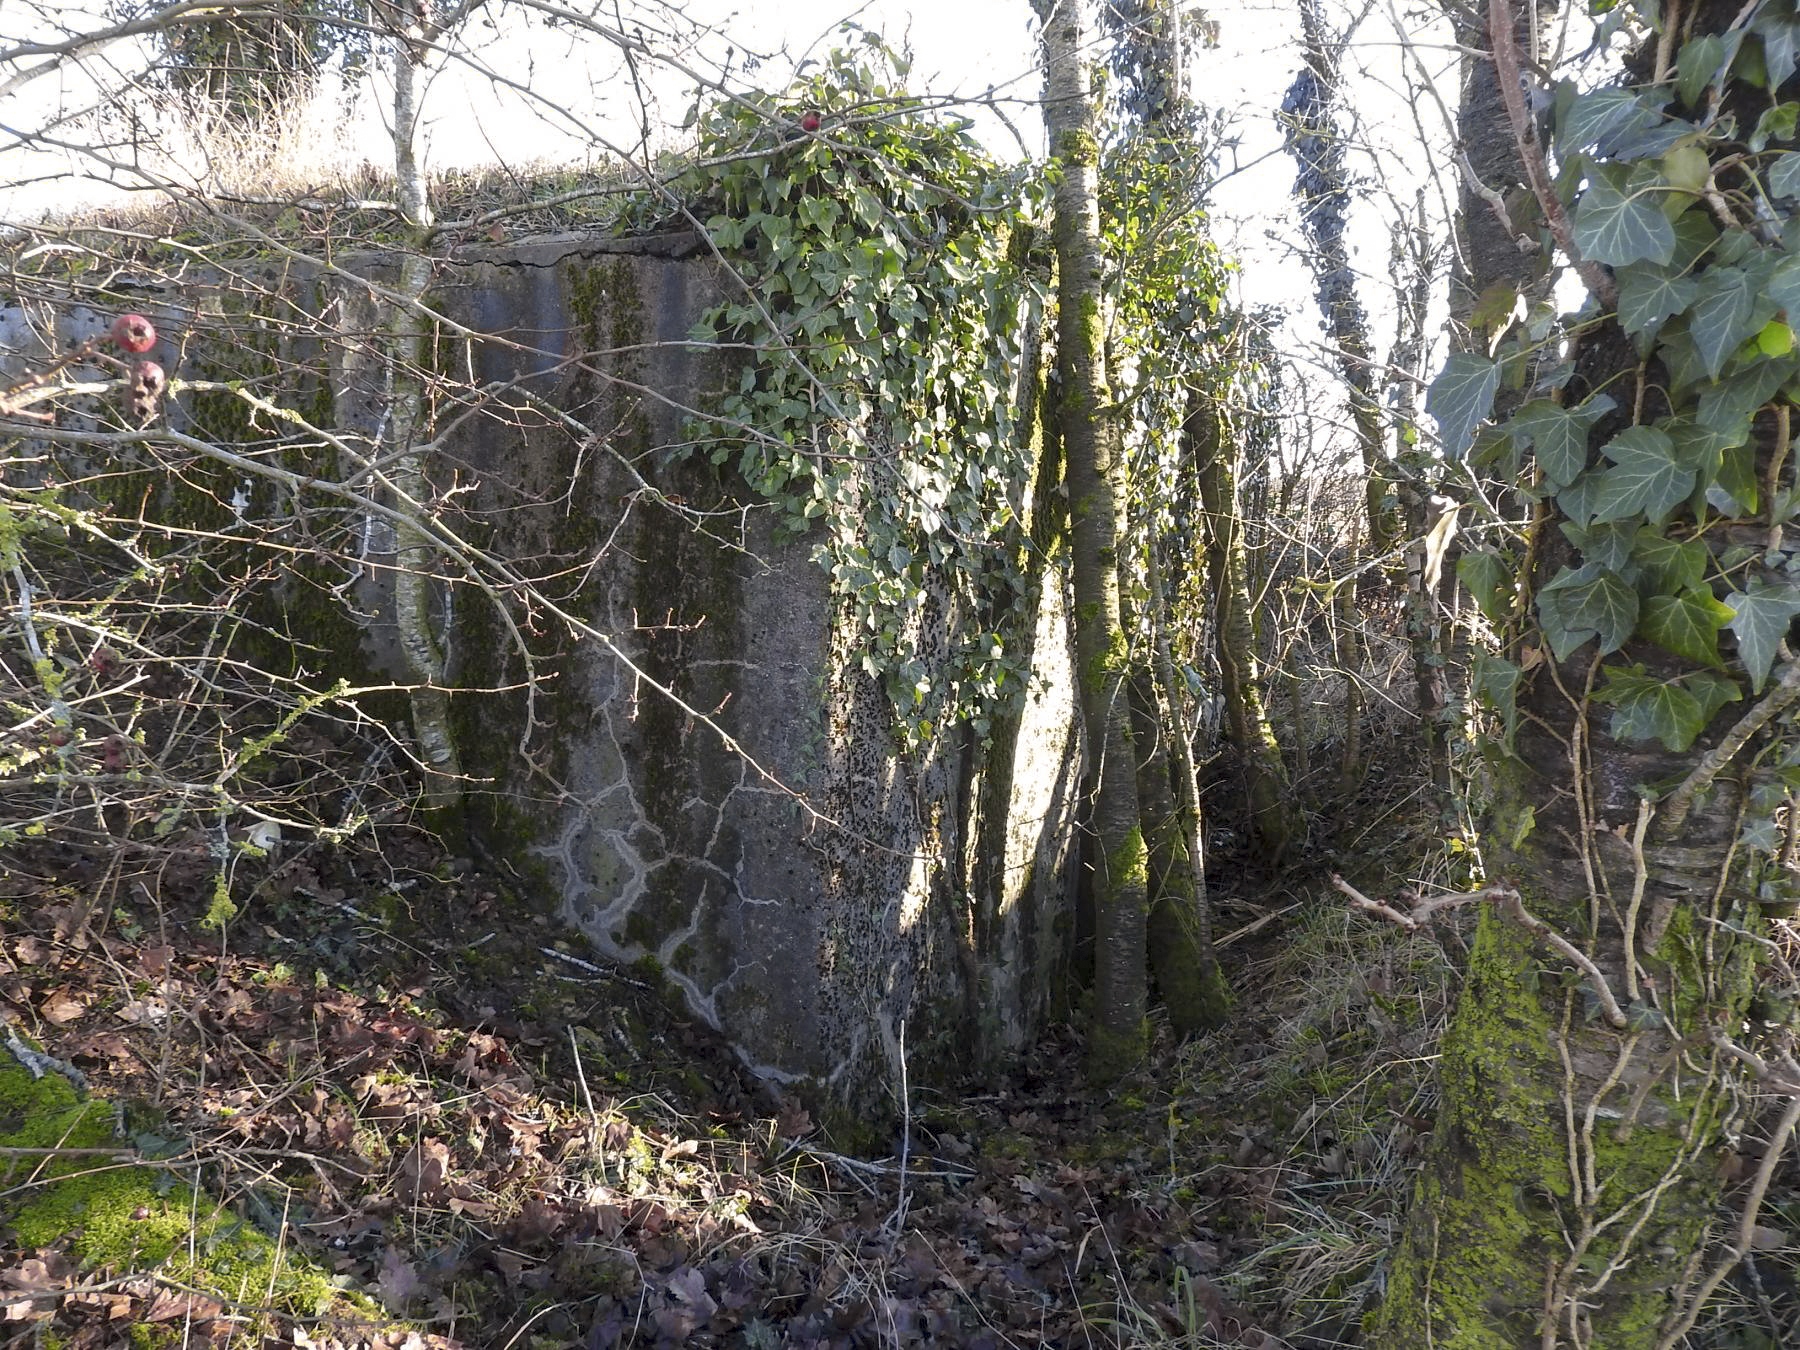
1147	39
1213	453
1118	1037
415	557
1573	1178
1322	190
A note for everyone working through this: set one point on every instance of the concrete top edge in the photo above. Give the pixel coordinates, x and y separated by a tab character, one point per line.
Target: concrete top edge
549	249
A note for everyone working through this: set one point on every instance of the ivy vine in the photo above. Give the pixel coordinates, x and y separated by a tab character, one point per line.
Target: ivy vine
1675	523
885	311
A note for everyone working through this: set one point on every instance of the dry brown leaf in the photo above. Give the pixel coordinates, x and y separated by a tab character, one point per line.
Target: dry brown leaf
62	1007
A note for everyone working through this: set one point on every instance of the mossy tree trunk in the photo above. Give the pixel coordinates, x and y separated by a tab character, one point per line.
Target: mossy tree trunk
1182	960
1148	54
1210	448
1591	1075
1118	1036
1431	601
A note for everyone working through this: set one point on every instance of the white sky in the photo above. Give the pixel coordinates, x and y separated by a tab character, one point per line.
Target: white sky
582	102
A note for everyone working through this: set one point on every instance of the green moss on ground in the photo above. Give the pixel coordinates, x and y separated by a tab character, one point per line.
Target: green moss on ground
116	1216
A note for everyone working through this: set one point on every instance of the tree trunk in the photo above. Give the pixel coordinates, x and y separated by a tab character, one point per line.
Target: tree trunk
415	557
1118	1037
1592	1071
1147	39
1323	192
1212	452
1430	600
1182	960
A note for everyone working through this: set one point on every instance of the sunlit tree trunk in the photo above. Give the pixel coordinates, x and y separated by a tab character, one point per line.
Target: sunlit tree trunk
409	338
1323	191
1147	38
1118	1035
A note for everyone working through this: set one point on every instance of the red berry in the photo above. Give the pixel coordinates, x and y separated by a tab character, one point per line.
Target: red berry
148	379
809	121
134	333
113	754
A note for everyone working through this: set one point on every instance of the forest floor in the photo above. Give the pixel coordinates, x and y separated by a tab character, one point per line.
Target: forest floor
389	1106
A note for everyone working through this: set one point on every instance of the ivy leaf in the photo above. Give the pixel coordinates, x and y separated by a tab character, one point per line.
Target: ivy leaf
1761	616
1559	434
1496	307
1489	580
1588	602
1496	680
1784	282
1737	479
1668	565
1609	545
1687	168
1616	225
1720	319
1701	61
1776	124
1780	35
1711	690
1647	708
1680	357
1645	478
1602	113
1579	500
1649	142
1687	624
1460	397
1695	234
1649	295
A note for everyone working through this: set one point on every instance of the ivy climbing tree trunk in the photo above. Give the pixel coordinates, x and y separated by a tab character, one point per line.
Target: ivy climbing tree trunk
1162	145
1118	1037
1322	189
1600	1055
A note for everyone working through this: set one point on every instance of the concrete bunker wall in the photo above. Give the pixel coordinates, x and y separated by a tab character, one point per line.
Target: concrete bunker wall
805	889
814	895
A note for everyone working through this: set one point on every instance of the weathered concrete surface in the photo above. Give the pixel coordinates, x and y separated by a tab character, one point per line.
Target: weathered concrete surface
820	900
806	890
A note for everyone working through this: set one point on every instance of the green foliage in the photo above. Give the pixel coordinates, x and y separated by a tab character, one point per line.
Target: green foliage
884	314
1461	395
1672	487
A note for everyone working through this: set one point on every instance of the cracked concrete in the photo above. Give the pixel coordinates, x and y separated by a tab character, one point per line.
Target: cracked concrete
819	923
860	903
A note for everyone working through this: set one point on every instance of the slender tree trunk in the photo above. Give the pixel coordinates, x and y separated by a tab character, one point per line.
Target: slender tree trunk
1147	39
1213	455
1118	1037
1180	928
1323	190
409	338
1430	608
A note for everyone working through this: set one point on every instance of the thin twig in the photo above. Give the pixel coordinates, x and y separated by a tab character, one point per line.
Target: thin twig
1753	1202
1509	900
1675	809
1531	154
